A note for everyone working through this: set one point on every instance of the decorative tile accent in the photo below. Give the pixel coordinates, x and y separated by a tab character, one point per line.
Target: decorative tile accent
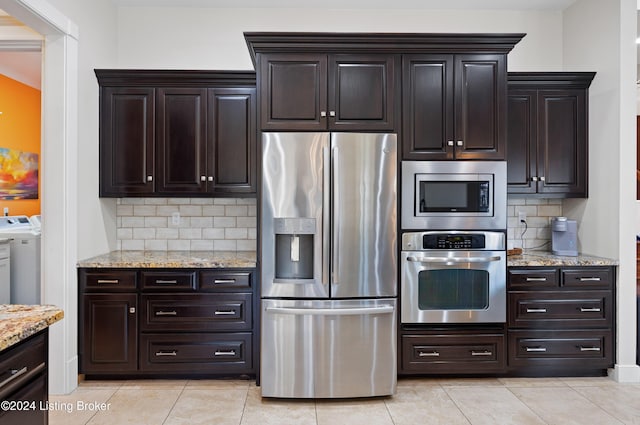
205	224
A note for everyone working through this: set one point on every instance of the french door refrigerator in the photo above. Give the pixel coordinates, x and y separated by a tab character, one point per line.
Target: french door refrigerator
329	265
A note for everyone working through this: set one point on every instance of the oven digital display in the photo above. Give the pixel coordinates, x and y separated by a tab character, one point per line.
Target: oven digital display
452	241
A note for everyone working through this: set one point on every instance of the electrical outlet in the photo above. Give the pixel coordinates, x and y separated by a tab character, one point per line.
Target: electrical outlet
522	216
175	218
6	211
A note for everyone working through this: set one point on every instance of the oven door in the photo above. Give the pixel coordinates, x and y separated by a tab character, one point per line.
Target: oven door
453	286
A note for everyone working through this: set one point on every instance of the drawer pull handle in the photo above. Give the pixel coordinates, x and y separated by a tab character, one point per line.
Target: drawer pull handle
482	353
166	313
589	348
589	279
109	281
590	310
170	282
536	310
14	373
224	312
222	281
535	349
166	353
428	354
225	353
536	279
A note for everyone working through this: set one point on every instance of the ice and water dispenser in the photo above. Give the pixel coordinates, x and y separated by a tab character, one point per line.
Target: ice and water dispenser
294	248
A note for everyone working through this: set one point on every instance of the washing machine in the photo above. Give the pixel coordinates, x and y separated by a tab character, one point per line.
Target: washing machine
25	286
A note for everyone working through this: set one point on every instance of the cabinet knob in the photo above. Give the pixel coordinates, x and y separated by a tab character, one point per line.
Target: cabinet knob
149	178
210	178
132	310
332	113
323	113
203	178
459	143
449	142
542	178
534	179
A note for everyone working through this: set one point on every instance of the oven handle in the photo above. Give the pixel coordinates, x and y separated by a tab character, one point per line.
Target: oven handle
454	259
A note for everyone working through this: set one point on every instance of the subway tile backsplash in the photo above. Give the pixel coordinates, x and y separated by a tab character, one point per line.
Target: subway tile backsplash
204	224
538	230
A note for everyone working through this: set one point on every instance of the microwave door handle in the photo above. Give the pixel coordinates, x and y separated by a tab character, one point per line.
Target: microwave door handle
454	259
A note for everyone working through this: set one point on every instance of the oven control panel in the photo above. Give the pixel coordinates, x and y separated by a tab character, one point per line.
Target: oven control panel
453	241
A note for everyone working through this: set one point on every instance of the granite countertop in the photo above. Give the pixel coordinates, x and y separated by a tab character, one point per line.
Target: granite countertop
18	322
546	258
172	259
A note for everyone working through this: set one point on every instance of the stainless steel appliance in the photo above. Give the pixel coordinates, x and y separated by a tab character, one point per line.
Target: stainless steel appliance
329	265
564	236
461	195
453	277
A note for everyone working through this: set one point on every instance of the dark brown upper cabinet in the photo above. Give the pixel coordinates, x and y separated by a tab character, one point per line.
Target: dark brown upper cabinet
177	133
454	106
309	91
453	87
547	133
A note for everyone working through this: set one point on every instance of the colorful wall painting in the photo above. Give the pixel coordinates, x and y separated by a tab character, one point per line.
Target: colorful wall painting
18	174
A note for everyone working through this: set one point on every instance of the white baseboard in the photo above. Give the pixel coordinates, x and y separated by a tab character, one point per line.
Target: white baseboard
625	373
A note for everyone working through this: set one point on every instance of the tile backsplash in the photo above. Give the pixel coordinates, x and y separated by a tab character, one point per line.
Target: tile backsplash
538	229
207	224
186	224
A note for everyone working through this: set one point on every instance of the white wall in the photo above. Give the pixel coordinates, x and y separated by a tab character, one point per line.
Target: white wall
204	38
608	216
97	49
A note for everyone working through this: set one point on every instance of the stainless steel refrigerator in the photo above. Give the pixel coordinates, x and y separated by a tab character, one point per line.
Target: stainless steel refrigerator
329	265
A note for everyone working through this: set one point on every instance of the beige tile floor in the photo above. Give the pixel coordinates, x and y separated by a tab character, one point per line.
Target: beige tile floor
583	401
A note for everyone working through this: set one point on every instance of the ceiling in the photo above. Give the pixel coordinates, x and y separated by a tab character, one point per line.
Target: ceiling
359	4
20	52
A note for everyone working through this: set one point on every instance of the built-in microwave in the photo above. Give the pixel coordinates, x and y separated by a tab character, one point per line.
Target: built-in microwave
454	195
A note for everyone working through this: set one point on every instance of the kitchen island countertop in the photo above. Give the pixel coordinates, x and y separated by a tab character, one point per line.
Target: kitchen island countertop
18	322
172	259
547	259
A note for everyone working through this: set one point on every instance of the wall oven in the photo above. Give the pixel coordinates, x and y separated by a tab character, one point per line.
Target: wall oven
453	277
461	195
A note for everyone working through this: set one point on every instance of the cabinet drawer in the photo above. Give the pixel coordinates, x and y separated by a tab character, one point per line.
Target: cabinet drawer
108	280
22	362
587	277
225	281
167	312
453	353
188	353
532	278
169	280
561	348
567	309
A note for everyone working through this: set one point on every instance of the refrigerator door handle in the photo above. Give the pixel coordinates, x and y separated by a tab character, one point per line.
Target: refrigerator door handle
326	203
356	311
335	206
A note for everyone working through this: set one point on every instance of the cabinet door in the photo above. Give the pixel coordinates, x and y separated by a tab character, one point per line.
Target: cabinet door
522	141
293	91
427	106
562	130
126	141
231	152
108	328
181	140
480	106
362	92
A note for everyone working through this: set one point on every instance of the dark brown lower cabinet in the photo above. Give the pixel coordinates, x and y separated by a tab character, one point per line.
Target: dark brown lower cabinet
176	322
454	353
560	319
24	382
